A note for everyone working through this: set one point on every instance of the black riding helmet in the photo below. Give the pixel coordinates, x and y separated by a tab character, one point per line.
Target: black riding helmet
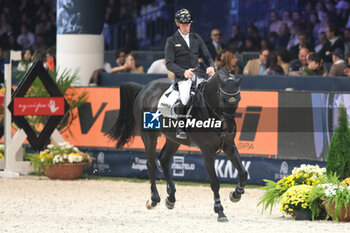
183	16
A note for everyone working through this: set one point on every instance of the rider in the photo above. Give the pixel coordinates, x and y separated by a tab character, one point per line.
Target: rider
181	54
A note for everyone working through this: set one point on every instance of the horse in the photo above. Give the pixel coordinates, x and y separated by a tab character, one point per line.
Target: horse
220	95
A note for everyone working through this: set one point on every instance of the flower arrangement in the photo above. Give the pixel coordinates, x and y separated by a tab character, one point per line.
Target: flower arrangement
304	175
2	152
332	192
295	198
314	171
56	154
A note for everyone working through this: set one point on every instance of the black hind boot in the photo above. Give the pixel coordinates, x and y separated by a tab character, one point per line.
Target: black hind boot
180	131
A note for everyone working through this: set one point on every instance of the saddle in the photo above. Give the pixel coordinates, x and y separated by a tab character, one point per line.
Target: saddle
168	102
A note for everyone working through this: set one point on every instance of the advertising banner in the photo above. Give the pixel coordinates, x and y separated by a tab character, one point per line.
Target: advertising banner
257	121
284	125
191	167
36	106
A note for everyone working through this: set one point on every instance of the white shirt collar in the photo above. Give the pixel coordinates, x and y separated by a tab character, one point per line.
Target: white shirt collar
186	38
333	40
339	61
216	45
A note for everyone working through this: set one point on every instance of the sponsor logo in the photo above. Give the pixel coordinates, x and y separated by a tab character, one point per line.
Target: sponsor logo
192	123
225	169
165	105
139	164
283	171
179	166
151	120
100	166
38	106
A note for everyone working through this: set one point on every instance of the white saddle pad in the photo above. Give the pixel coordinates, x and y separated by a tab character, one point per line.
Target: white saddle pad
167	101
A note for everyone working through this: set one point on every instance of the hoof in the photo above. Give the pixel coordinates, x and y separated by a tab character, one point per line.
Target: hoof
222	219
235	197
150	204
169	205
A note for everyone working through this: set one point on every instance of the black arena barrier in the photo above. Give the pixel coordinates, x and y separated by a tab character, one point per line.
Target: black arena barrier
257	82
114	80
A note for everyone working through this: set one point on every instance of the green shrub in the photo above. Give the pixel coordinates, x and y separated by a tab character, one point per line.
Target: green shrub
339	150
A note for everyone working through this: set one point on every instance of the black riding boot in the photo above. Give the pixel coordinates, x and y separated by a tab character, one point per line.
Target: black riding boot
180	131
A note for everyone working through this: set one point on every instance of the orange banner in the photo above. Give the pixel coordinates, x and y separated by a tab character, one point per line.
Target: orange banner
257	122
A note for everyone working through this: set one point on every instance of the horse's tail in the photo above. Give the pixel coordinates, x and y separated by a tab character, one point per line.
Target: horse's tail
124	128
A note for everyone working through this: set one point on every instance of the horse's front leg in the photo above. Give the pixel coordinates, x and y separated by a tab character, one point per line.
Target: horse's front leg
234	157
215	186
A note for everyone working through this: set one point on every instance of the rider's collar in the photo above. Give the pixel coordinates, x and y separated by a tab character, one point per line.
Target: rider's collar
183	35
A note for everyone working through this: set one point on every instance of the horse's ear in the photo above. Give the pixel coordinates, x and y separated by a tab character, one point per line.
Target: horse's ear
221	81
240	80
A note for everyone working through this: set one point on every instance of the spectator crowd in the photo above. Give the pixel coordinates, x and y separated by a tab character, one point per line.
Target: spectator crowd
312	40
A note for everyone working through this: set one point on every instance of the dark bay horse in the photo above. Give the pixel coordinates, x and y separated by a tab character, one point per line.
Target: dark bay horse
220	96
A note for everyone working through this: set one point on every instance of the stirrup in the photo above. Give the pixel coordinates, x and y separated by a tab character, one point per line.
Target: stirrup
181	134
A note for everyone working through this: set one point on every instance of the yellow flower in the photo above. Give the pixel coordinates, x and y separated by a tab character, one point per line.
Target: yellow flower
2	157
346	182
74	154
2	90
49	156
42	155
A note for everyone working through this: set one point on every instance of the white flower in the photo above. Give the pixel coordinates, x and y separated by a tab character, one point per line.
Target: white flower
49	146
313	170
75	158
57	159
330	190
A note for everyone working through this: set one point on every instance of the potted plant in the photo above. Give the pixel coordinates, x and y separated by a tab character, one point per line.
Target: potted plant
334	197
295	202
73	97
338	160
60	161
303	175
2	152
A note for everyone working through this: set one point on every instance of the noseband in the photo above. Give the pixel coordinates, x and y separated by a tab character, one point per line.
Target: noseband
232	99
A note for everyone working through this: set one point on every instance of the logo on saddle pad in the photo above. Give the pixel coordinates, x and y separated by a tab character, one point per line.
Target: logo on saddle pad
151	120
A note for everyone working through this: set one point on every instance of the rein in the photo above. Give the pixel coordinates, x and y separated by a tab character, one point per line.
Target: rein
220	116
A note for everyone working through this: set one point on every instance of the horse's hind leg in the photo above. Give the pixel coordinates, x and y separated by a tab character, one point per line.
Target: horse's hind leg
165	155
150	142
234	157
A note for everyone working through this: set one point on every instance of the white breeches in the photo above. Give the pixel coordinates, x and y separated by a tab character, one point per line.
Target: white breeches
185	88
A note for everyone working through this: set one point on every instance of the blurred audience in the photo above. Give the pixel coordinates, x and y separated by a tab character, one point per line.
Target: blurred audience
257	66
26	61
229	62
283	59
158	67
338	67
314	65
130	66
215	46
50	62
334	42
272	67
297	66
303	43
